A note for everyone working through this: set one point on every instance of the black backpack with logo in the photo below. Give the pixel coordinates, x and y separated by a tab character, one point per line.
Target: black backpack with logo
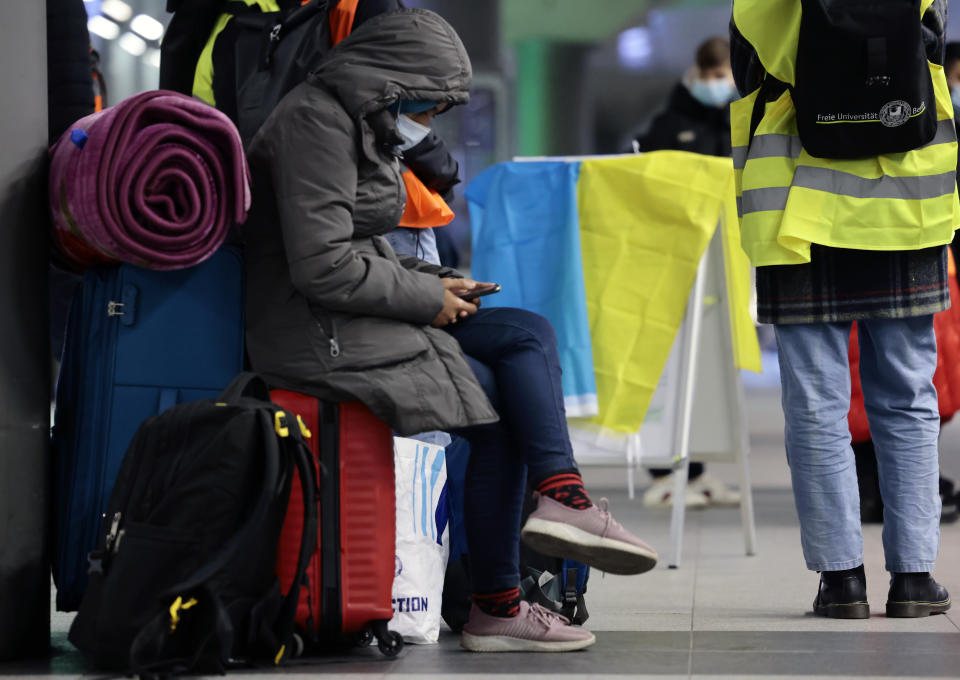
863	84
184	575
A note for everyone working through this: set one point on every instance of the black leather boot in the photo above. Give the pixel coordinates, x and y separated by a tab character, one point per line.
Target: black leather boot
842	595
915	595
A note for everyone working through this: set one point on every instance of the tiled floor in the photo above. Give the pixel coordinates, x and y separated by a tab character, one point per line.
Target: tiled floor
721	615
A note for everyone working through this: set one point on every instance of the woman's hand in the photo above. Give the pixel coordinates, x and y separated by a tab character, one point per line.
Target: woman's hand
453	308
461	286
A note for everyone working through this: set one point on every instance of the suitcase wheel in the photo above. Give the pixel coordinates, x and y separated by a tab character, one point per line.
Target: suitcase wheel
365	638
389	642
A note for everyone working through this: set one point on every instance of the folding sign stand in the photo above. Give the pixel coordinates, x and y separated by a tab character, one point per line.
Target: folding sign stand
697	410
706	390
700	385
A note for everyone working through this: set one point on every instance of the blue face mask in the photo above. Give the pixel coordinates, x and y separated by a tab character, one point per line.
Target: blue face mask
955	96
714	93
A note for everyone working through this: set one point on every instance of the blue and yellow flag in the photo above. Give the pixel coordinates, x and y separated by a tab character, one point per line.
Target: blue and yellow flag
632	231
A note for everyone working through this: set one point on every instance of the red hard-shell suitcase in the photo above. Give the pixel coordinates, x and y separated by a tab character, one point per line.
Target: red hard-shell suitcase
350	578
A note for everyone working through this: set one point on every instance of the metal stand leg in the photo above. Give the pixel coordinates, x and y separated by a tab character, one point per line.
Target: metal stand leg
633	461
691	342
746	490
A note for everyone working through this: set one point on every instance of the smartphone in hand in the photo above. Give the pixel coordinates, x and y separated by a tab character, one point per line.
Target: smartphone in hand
481	291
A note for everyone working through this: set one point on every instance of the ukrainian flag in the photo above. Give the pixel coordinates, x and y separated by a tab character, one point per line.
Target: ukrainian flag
608	249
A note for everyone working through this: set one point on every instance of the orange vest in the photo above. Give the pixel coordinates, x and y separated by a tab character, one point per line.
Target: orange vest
341	19
425	208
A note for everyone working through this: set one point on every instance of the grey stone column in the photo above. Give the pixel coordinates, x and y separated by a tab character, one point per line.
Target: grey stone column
24	338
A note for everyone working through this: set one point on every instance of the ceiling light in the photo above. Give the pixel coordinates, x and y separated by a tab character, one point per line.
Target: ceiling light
117	9
635	47
148	27
132	44
152	58
103	27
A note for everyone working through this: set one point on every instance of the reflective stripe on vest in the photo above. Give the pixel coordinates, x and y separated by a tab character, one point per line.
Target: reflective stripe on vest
788	200
788	146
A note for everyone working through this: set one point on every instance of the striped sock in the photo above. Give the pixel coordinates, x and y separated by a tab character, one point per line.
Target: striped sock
505	603
566	488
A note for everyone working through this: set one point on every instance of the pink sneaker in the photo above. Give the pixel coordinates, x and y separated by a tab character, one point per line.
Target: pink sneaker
591	536
534	629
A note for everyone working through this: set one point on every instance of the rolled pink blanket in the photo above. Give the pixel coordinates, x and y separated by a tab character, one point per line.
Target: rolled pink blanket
156	181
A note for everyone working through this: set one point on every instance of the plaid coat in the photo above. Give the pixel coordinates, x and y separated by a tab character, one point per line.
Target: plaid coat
845	285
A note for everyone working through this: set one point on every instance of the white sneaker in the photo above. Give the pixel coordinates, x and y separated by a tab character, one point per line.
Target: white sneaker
716	492
660	494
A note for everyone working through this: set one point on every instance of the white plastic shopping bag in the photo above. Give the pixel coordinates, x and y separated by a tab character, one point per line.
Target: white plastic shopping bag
422	546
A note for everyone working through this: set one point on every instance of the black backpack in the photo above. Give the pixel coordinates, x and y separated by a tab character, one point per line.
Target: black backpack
863	84
260	56
184	575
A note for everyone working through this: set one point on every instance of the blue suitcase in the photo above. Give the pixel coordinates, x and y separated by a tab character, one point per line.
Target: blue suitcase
138	342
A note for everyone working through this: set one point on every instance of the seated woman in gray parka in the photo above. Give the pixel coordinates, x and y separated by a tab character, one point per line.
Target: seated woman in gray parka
332	311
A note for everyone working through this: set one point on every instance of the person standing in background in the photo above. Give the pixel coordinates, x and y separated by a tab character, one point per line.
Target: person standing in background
843	237
697	119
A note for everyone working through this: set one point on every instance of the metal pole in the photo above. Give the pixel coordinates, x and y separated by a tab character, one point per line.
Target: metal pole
681	437
24	338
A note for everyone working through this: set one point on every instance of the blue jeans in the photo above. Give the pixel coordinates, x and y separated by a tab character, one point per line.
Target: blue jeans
898	358
513	353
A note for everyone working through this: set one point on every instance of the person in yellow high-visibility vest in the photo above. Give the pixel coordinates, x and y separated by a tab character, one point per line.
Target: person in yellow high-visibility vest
835	240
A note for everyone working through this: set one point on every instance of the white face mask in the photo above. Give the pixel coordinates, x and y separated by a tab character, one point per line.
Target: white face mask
411	131
717	93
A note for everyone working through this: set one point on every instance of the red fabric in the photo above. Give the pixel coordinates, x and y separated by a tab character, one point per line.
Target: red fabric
946	379
341	20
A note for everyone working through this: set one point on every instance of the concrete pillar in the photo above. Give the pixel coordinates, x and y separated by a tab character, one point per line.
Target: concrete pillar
24	351
550	98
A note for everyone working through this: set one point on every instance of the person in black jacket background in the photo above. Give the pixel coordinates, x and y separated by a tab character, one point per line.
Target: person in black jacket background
697	117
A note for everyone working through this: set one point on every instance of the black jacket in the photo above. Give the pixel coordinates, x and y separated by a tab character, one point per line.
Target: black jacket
688	125
69	79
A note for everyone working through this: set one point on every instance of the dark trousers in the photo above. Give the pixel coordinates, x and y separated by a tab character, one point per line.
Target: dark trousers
513	353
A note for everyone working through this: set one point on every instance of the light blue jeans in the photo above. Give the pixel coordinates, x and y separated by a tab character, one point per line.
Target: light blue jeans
898	358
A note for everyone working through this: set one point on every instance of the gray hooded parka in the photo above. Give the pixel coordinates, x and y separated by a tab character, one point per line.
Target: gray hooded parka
331	309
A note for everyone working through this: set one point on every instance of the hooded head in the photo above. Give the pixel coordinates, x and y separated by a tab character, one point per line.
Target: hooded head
411	55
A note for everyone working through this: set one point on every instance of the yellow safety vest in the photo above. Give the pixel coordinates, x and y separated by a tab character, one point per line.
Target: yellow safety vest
203	76
788	199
